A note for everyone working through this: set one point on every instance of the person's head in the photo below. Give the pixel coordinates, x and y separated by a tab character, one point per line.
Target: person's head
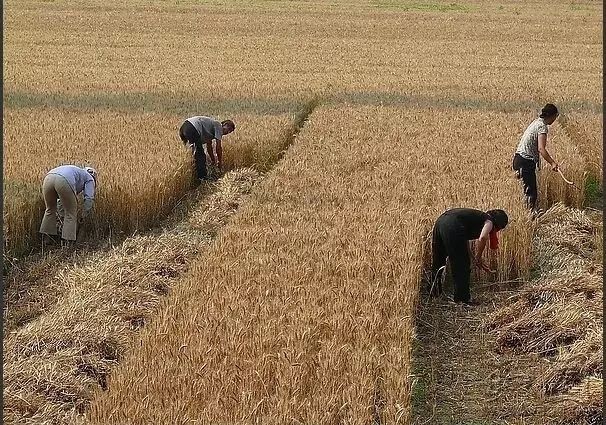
228	126
549	113
499	219
92	172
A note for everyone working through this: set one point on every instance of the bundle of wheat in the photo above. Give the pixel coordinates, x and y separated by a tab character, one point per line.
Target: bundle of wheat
559	314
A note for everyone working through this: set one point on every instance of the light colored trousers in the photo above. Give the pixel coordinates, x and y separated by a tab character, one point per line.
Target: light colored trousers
53	187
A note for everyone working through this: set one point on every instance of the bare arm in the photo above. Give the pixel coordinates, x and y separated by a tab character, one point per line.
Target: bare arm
482	241
219	153
544	153
209	149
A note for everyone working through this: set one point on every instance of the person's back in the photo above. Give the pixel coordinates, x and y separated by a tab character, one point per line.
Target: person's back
528	147
76	177
471	219
208	127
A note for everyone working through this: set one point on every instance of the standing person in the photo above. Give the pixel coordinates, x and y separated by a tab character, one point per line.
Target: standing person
199	131
533	146
65	183
451	235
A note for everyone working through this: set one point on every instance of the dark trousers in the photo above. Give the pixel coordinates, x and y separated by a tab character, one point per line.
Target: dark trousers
526	170
189	134
449	241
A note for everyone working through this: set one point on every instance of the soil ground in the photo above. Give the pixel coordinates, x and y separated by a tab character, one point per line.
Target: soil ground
461	379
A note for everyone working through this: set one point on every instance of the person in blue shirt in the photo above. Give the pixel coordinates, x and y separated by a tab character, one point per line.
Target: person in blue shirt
63	184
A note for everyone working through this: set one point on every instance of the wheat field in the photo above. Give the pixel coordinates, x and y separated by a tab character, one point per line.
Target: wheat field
138	87
143	167
368	119
355	222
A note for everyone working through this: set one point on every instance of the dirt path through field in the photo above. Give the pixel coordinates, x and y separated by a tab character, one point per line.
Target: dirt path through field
461	380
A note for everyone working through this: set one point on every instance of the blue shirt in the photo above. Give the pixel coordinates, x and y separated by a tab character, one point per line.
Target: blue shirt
79	180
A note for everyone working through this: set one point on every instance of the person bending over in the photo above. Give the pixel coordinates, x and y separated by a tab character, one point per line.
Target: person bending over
452	232
201	130
63	184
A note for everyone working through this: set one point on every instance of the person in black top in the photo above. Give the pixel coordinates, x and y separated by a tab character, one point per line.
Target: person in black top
450	239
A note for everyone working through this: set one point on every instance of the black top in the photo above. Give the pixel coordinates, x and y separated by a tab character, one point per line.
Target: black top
471	221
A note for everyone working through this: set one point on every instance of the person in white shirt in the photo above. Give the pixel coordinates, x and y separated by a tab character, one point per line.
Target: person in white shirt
533	146
64	183
199	131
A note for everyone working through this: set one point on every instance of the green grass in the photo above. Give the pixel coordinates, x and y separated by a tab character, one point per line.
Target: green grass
150	102
593	191
181	104
419	393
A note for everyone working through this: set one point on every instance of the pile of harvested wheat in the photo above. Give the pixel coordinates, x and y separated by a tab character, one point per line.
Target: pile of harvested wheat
54	364
558	315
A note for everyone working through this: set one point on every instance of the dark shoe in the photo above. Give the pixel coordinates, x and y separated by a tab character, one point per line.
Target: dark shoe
67	244
469	303
49	239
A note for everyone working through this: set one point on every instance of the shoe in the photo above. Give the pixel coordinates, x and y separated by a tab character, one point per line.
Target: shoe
49	239
67	244
470	303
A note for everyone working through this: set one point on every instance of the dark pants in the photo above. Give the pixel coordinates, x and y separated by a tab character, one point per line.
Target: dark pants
449	241
189	134
526	170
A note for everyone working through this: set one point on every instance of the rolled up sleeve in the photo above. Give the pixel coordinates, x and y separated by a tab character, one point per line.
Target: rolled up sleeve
543	129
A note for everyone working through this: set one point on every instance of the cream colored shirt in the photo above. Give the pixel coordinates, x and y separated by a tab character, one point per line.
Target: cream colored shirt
529	143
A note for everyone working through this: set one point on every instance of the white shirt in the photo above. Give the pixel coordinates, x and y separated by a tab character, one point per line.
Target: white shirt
529	143
208	128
